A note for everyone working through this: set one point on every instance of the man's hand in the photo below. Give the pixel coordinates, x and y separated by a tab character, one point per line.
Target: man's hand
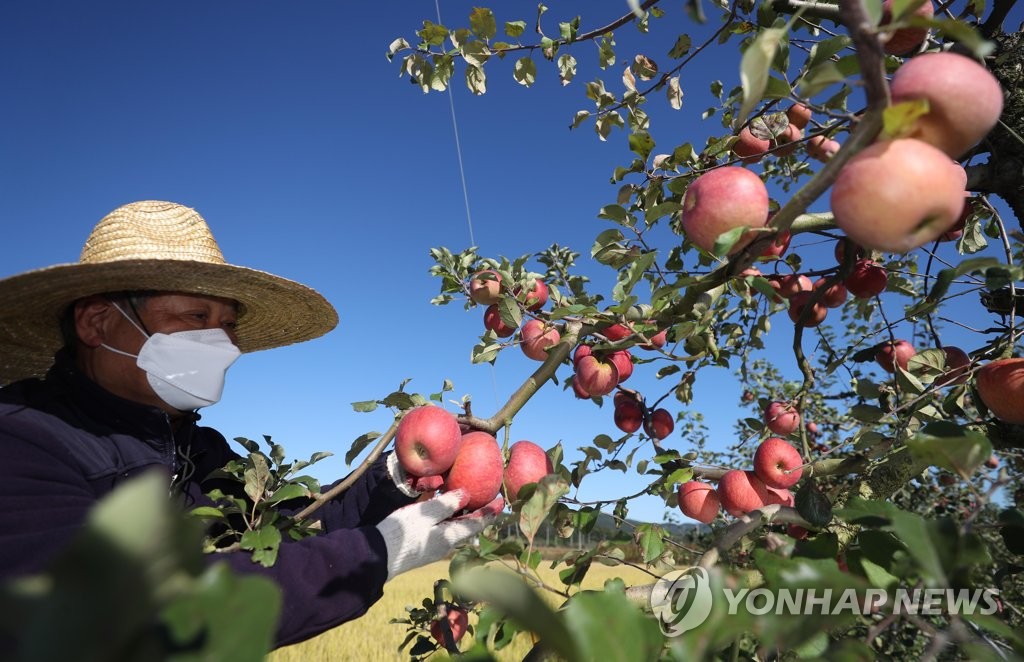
410	485
422	533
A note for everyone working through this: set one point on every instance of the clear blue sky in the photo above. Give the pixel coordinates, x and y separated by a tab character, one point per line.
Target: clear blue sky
285	126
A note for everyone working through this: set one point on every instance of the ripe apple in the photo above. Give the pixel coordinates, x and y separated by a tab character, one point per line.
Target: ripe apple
660	424
790	284
778	246
840	250
787	140
781	417
822	148
580	352
897	195
741	491
798	115
657	341
781	497
891	354
800	301
904	40
834	296
577	390
427	441
493	321
812	428
616	332
1000	385
485	287
699	501
964	99
596	375
458	621
749	147
992	462
623	360
536	339
536	297
777	463
527	463
958	364
867	279
629	414
478	469
720	200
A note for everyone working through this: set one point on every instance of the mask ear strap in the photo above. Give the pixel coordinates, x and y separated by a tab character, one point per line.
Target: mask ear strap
142	328
135	311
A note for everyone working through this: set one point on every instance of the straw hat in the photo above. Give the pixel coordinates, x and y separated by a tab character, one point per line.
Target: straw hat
151	245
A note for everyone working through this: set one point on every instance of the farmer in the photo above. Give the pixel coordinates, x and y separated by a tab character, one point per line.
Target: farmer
103	364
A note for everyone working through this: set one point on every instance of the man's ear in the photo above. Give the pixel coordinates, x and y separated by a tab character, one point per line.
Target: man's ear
92	317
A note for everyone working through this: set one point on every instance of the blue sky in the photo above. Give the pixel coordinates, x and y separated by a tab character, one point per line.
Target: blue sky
285	126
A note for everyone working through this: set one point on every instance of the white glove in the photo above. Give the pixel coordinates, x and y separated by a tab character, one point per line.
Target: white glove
411	486
421	533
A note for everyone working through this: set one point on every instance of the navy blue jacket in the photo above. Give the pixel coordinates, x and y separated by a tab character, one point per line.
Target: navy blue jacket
65	442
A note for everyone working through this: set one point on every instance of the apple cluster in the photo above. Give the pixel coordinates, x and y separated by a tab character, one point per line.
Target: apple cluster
430	442
777	467
631	414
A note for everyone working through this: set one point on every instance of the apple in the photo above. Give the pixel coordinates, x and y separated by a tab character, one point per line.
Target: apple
749	147
580	352
778	246
866	279
957	230
787	140
747	396
427	441
699	501
799	302
798	532
992	462
904	40
822	148
660	424
629	414
527	463
721	200
777	463
458	621
623	360
840	250
891	354
958	364
478	469
964	99
596	375
897	195
781	417
616	332
536	297
780	497
577	390
798	115
536	339
834	296
1000	385
790	284
657	341
741	491
485	287
812	428
493	321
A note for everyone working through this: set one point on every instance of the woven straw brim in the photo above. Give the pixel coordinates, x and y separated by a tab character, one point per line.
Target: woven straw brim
274	311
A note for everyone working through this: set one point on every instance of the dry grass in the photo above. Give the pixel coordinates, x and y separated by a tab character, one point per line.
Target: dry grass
372	637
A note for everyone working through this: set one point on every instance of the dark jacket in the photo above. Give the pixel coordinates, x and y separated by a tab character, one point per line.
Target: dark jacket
65	442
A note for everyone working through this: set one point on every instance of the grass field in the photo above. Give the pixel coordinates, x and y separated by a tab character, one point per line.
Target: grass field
372	637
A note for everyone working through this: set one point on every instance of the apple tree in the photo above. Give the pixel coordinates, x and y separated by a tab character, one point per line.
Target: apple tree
892	459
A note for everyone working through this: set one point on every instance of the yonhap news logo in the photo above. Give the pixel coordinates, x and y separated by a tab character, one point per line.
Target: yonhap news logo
682	599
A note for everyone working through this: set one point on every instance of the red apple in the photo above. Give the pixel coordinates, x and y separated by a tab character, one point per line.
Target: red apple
596	375
867	279
527	463
777	463
699	501
623	360
657	341
798	115
964	99
749	147
800	301
897	195
580	352
1000	385
492	321
478	469
458	621
840	250
797	531
537	339
778	496
904	40
812	428
485	287
790	284
992	462
629	414
660	424
834	296
427	441
787	140
778	246
536	297
891	354
577	390
741	491
822	148
721	200
958	364
781	417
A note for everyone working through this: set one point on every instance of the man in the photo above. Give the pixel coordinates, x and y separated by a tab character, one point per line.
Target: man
105	363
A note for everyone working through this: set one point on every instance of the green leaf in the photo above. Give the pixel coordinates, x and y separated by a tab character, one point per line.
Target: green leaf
515	28
482	23
754	68
365	405
641	143
567	71
650	538
899	119
813	505
681	47
867	413
609	627
549	489
207	512
257	476
725	241
290	491
357	446
949	446
525	71
263	543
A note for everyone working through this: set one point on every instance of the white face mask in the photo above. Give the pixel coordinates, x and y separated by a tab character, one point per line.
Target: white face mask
185	369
